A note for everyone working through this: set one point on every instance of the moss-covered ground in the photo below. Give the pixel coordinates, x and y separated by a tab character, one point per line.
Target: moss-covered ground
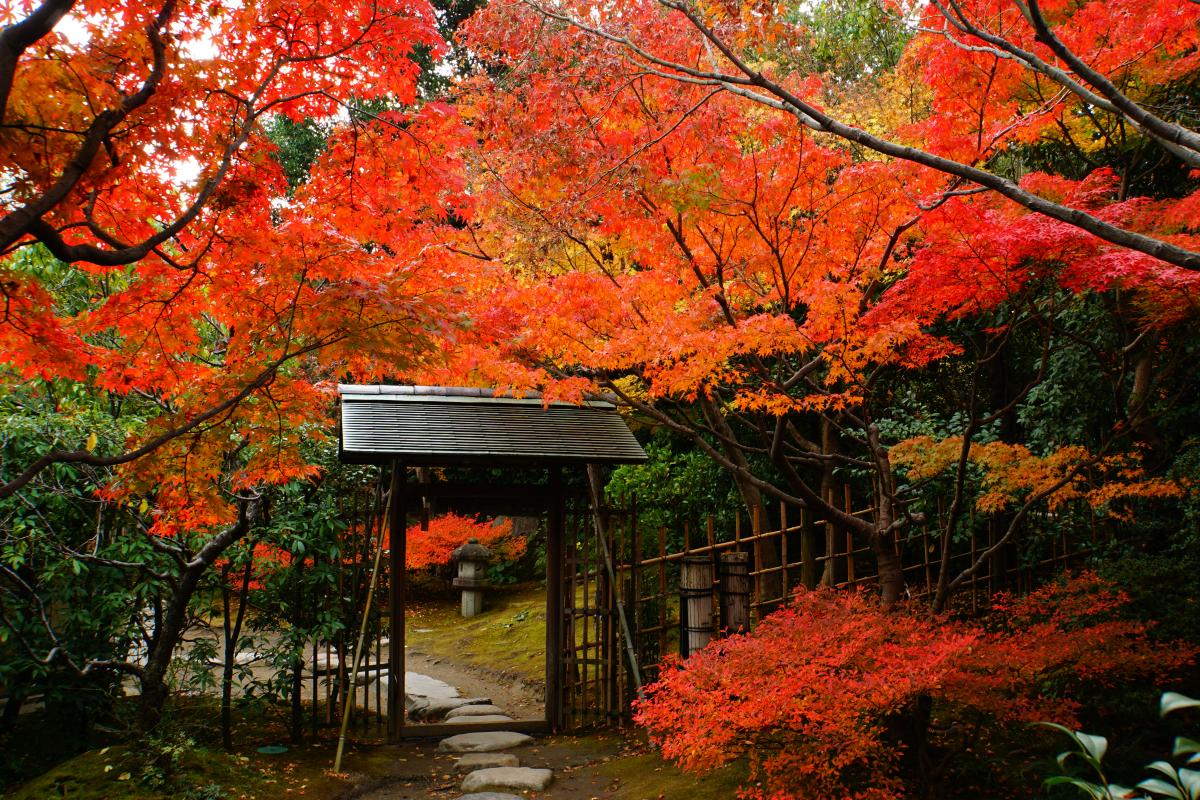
509	637
192	772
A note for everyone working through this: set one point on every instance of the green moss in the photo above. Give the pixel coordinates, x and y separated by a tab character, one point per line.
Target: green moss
120	773
116	773
509	636
648	777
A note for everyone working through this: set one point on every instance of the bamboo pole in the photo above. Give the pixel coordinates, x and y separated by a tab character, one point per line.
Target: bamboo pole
348	696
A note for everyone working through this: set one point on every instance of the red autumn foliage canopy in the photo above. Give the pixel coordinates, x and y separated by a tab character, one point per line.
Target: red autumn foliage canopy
808	694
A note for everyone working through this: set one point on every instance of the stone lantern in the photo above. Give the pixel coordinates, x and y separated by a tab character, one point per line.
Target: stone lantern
472	559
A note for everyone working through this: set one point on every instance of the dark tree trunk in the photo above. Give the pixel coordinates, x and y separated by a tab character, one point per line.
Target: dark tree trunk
174	615
233	634
766	553
297	721
891	573
18	690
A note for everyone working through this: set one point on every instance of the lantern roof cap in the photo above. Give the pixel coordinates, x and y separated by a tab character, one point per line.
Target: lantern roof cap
471	551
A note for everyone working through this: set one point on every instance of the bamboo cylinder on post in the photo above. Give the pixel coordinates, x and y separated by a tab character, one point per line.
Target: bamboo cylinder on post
735	592
695	604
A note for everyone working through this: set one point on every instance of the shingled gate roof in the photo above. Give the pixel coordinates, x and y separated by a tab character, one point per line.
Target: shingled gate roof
444	426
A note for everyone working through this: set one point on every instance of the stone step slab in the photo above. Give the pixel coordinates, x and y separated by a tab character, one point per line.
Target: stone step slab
474	711
512	778
483	742
424	686
473	761
490	796
482	718
435	707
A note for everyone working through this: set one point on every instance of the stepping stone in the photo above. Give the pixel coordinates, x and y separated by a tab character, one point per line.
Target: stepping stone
473	761
482	718
474	711
326	661
491	796
425	686
483	742
242	659
434	707
514	778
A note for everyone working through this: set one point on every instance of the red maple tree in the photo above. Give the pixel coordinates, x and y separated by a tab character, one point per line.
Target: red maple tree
428	546
816	696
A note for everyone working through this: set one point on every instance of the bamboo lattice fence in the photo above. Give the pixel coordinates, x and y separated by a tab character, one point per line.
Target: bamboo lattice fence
798	549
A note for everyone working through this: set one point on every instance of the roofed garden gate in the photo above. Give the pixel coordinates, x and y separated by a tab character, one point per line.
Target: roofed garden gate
405	428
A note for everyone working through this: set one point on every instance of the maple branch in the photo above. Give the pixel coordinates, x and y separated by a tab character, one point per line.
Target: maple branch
1004	49
1158	127
754	85
28	218
16	38
57	654
806	498
1015	523
87	457
808	114
90	558
644	147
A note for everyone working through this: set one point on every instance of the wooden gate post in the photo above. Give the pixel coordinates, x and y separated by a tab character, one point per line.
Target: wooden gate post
735	592
695	604
555	663
397	577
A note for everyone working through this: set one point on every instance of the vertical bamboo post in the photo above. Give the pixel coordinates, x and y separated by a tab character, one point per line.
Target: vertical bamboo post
316	685
829	573
974	578
735	592
783	549
925	557
695	604
398	578
583	553
993	582
848	504
758	582
555	663
809	574
662	592
635	582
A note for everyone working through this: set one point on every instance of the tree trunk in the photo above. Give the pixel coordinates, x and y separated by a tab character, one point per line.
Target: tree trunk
891	572
233	634
18	690
174	615
297	709
766	552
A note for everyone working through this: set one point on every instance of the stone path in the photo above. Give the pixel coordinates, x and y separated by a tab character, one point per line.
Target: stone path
491	773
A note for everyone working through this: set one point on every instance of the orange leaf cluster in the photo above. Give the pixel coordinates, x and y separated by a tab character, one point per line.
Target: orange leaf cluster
1012	473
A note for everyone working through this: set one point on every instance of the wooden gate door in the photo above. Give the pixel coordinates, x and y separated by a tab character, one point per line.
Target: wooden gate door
597	686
